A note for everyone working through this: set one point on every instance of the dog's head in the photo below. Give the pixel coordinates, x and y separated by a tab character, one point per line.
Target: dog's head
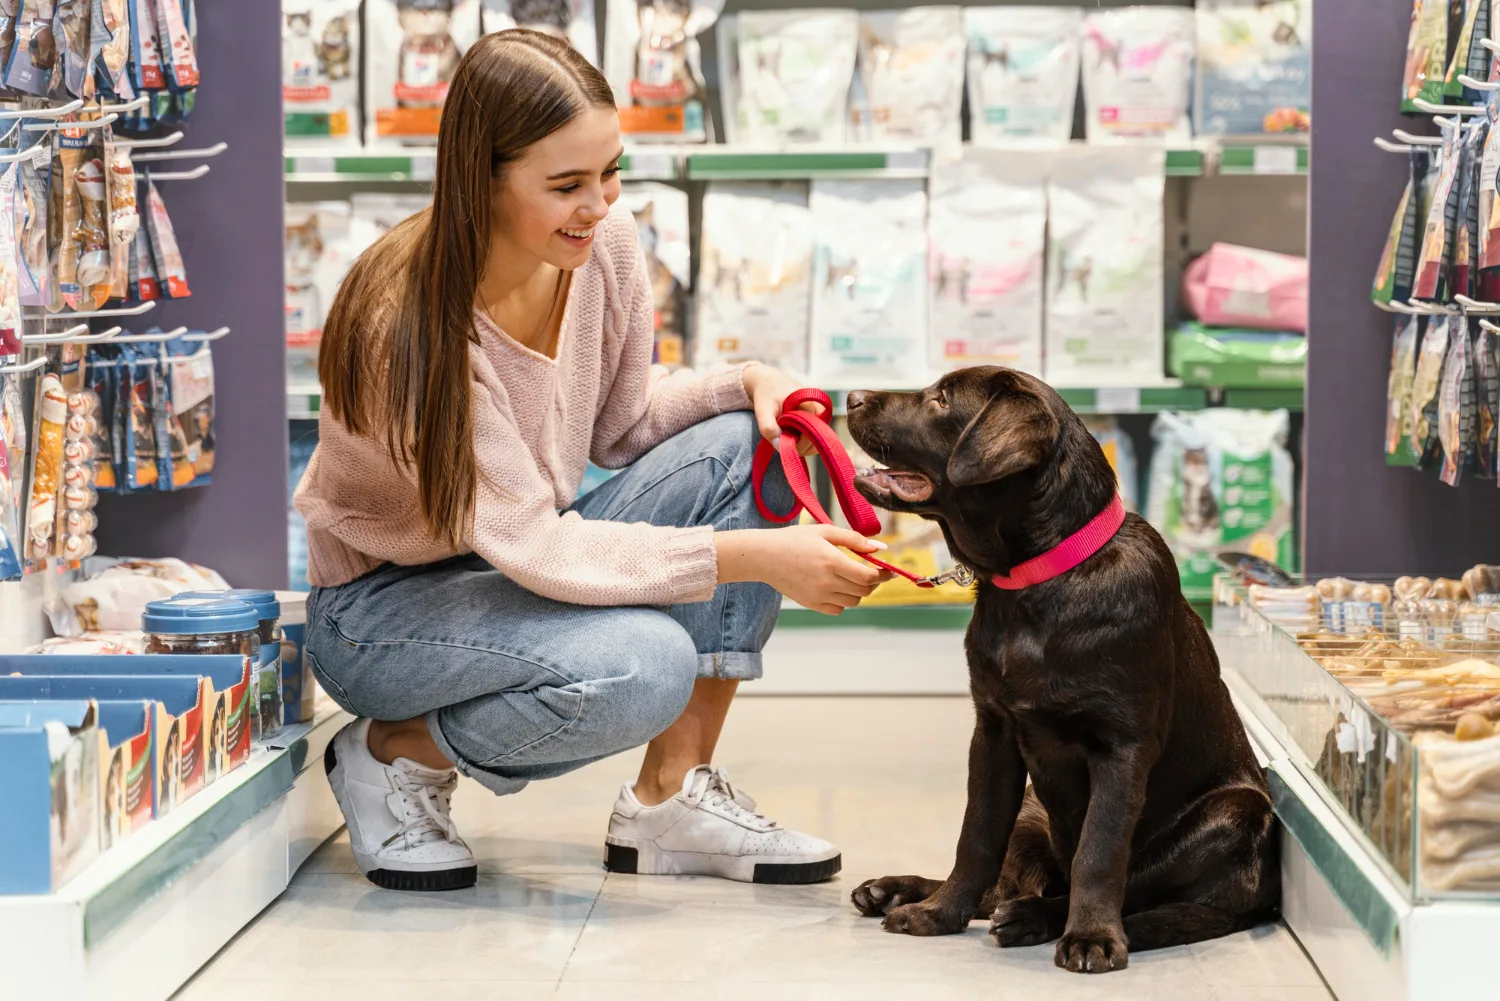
993	455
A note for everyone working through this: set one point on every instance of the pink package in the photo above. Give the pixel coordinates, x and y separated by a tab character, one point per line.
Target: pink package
1241	287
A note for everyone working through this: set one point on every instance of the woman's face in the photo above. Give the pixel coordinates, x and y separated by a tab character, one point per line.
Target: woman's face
551	199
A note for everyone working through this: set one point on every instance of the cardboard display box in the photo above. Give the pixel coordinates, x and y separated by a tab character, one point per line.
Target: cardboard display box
49	793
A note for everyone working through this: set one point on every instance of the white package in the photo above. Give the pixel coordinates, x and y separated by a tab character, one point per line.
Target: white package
869	317
911	76
755	275
1104	267
572	20
654	66
1138	73
320	70
1023	72
661	220
795	67
319	250
373	213
988	231
412	48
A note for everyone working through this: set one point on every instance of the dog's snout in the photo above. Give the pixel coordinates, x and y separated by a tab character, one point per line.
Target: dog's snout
856	399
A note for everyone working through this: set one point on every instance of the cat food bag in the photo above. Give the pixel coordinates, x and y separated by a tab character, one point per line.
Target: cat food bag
754	289
911	73
33	53
1119	450
320	70
10	278
661	218
988	227
1398	259
795	70
1426	383
190	381
411	49
1399	388
1137	73
1105	272
318	255
1254	67
1466	55
653	64
571	20
171	273
1436	255
1221	481
1023	72
146	68
869	303
1426	54
33	199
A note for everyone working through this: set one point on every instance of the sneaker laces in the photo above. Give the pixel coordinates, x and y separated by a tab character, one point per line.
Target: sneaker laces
712	788
423	807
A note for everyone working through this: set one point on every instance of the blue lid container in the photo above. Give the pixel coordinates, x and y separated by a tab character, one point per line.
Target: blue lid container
181	615
265	603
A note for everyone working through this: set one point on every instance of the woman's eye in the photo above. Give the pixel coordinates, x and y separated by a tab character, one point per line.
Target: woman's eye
611	172
568	190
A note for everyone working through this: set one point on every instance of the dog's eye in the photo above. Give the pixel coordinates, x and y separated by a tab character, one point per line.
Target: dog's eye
941	399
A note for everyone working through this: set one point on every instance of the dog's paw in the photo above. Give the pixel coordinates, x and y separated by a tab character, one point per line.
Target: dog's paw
1022	922
875	897
1092	952
923	919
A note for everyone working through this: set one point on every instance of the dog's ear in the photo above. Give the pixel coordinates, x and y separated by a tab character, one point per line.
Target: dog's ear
1013	433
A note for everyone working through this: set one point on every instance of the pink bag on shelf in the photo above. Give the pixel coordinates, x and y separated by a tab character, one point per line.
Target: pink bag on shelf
1241	287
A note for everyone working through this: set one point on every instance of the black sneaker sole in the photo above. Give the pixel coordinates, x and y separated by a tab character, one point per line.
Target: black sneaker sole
622	859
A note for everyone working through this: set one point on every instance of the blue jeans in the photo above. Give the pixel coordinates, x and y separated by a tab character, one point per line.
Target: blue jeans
515	686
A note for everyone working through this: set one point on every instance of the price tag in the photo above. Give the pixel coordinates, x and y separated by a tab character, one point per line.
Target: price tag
651	166
423	168
1275	159
1111	400
313	165
915	159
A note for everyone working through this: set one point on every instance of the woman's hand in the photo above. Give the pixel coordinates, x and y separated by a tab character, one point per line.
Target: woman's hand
768	389
803	562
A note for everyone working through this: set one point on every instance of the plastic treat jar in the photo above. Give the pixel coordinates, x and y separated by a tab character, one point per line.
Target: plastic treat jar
211	625
268	610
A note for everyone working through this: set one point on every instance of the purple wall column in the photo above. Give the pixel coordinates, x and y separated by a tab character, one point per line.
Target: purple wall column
229	225
1361	517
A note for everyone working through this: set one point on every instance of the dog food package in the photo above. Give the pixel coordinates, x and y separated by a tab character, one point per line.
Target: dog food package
987	255
795	67
1468	54
33	54
1398	414
653	64
1398	259
1436	254
1120	451
33	201
318	255
1456	410
911	75
1104	298
1426	54
1137	73
70	31
320	70
178	48
869	302
411	49
109	43
1233	286
46	470
1426	385
1464	273
1487	403
1023	72
171	272
124	215
661	218
571	20
754	275
190	380
146	69
1221	481
1254	67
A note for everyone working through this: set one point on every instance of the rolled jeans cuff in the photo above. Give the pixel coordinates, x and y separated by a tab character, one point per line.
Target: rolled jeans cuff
732	665
498	784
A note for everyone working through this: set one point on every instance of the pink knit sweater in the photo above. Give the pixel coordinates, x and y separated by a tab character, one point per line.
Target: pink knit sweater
536	424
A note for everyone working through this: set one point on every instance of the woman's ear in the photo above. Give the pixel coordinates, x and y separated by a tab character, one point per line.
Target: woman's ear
1013	433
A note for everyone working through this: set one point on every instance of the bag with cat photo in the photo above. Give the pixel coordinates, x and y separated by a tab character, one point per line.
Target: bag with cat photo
320	71
661	218
571	20
412	48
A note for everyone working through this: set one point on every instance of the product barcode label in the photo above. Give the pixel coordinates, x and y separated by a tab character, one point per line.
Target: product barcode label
1117	401
1275	159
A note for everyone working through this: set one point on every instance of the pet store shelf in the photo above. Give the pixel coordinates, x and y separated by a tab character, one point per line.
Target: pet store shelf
727	163
303	402
140	921
417	165
1264	159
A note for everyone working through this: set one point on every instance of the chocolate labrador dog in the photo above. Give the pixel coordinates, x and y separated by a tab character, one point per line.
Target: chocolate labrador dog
1148	822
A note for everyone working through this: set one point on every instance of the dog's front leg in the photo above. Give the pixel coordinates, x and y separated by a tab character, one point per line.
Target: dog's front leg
1094	940
997	783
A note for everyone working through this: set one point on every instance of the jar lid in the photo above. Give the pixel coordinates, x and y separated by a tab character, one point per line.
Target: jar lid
265	603
184	616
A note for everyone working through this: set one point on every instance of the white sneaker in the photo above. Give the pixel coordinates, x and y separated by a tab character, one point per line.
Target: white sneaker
399	828
705	831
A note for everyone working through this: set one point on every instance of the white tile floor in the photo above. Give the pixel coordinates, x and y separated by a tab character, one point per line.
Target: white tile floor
882	777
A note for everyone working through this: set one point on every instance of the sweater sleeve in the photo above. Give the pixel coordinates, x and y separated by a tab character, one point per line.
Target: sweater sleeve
518	530
643	404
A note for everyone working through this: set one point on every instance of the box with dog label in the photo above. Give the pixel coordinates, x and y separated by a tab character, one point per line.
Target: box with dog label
49	788
125	773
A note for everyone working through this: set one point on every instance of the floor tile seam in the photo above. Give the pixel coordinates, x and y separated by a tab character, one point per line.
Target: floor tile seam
562	973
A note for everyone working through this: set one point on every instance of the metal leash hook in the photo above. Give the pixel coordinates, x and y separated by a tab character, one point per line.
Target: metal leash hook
960	575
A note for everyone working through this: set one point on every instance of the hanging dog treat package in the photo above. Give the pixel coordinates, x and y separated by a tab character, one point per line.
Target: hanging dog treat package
411	49
1254	67
1468	55
661	218
571	20
320	70
911	76
1426	54
1137	73
33	202
794	74
109	43
1105	272
653	63
33	54
869	313
754	276
190	380
171	272
10	278
1022	72
988	229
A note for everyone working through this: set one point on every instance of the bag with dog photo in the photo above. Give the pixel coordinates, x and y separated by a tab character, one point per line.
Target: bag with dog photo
320	70
795	68
412	48
1137	73
661	218
911	77
1023	72
570	20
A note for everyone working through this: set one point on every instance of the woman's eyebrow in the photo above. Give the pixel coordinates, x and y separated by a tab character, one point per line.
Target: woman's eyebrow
579	172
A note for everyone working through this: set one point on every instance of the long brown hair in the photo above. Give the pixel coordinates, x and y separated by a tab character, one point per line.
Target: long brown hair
395	356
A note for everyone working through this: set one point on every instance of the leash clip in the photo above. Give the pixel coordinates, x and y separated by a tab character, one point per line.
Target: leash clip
960	575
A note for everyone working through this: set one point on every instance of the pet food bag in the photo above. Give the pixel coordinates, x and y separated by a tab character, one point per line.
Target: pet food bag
320	70
653	64
661	219
1221	480
869	313
10	277
372	214
911	76
1238	286
988	229
1023	72
33	54
318	255
1254	67
1104	300
1137	73
570	20
1426	54
795	67
412	48
1120	451
754	275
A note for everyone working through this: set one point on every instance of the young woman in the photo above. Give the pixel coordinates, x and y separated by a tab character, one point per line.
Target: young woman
472	613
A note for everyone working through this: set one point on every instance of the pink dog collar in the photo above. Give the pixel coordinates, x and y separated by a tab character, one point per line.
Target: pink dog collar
1072	551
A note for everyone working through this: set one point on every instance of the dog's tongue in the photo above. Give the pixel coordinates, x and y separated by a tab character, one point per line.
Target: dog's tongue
910	487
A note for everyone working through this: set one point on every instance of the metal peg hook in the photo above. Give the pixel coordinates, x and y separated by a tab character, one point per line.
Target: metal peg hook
181	154
1491	327
1475	306
150	338
212	335
144	307
1449	109
159	141
30	366
73	335
1391	147
92	123
1407	137
128	106
177	175
58	112
1474	84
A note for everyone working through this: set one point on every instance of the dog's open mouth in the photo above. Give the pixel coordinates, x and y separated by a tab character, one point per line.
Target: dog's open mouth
913	488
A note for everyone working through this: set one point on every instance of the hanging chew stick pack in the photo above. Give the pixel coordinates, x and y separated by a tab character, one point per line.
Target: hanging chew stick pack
92	235
46	476
67	200
124	216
